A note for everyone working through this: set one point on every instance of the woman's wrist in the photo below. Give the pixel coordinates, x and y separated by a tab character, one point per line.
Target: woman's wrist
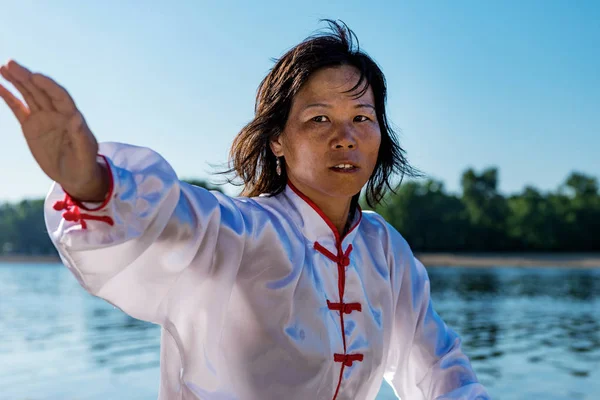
95	190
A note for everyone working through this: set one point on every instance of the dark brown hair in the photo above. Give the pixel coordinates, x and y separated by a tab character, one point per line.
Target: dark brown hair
251	158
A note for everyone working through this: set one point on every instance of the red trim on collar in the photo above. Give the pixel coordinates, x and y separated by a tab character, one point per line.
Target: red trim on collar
322	214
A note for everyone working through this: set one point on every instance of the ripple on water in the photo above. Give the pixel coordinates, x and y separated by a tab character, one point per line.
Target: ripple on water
530	333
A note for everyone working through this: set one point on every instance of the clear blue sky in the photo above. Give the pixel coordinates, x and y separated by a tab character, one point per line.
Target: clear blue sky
471	84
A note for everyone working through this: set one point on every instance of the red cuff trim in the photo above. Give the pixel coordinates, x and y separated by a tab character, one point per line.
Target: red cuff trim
111	189
74	214
72	206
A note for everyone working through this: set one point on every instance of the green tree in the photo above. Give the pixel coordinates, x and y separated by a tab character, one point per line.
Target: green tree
533	223
480	219
486	209
579	202
23	229
427	217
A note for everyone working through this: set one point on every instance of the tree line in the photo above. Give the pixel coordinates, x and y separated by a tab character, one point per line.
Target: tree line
479	219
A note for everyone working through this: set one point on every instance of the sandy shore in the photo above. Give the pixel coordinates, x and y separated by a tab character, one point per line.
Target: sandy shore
576	260
29	259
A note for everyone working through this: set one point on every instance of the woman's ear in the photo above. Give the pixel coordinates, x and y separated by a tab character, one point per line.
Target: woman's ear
277	146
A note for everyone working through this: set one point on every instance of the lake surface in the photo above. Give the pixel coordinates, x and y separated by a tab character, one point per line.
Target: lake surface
530	334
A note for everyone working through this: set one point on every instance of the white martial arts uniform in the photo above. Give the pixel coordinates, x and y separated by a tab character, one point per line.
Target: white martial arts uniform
259	298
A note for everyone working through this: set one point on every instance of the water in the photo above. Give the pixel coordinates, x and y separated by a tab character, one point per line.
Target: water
530	333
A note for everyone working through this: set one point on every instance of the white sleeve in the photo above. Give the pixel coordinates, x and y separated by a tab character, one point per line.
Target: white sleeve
132	249
426	361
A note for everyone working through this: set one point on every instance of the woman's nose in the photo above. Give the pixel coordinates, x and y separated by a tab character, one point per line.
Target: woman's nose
345	138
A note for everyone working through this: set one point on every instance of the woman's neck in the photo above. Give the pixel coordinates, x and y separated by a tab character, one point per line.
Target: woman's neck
338	214
336	209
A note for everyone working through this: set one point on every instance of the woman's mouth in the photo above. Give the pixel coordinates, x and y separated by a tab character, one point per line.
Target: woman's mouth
344	168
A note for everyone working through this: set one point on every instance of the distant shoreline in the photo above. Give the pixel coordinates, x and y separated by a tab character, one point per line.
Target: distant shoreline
20	258
490	260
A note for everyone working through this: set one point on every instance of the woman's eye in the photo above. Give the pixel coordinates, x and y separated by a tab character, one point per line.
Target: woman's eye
361	118
320	118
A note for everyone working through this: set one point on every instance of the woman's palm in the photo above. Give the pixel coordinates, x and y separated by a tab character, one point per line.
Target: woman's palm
54	129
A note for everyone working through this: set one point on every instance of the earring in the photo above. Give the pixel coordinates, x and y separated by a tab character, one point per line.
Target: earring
278	166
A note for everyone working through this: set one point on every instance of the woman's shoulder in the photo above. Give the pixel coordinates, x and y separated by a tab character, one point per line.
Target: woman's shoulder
266	204
375	224
380	232
260	209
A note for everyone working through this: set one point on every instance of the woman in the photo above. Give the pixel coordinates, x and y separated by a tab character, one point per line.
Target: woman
287	292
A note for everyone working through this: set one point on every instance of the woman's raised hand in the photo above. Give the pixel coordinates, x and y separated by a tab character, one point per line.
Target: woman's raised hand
56	132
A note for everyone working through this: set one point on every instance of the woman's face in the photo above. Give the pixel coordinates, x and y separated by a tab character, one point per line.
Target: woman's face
328	130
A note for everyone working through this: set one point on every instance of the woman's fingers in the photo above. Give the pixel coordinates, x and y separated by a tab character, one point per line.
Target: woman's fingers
16	105
23	76
33	106
61	99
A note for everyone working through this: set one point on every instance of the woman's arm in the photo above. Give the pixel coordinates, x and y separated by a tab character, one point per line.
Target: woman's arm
426	360
151	236
132	250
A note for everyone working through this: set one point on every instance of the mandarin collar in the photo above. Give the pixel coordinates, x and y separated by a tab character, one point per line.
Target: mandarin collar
315	225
